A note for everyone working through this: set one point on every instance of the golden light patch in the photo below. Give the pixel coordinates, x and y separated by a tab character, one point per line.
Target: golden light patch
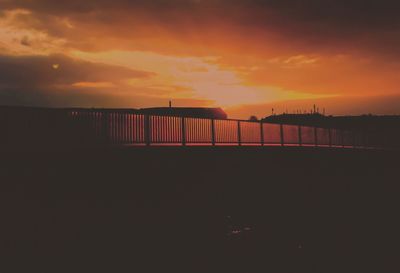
55	66
94	84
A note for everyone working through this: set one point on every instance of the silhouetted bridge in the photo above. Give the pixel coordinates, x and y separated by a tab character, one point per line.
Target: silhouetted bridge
55	127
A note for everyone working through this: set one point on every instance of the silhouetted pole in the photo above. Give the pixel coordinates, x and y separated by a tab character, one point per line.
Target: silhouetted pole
239	133
183	126
147	130
342	137
300	140
316	136
120	128
365	140
111	121
330	137
281	130
213	132
106	127
262	133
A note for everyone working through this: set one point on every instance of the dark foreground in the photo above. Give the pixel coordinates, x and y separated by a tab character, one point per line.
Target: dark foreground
200	210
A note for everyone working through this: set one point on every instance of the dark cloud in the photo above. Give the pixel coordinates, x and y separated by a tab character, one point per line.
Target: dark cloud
25	41
48	81
348	16
47	71
307	26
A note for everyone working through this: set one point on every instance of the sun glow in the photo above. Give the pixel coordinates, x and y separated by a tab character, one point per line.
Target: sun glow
190	78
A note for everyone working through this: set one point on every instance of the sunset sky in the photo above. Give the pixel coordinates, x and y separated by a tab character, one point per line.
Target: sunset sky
247	56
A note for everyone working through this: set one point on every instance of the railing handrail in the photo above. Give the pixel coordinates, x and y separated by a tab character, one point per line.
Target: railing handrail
126	127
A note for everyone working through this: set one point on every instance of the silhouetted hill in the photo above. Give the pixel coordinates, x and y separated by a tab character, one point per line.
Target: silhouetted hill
363	122
386	127
194	112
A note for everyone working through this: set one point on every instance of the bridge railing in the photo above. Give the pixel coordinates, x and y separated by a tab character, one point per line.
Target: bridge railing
138	129
86	127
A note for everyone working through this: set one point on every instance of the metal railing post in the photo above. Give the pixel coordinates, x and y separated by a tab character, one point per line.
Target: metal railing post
183	126
316	136
365	140
213	132
300	139
105	120
239	133
330	137
147	130
262	133
342	138
282	136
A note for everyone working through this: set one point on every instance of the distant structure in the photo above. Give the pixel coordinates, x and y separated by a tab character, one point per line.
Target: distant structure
253	118
192	112
315	110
